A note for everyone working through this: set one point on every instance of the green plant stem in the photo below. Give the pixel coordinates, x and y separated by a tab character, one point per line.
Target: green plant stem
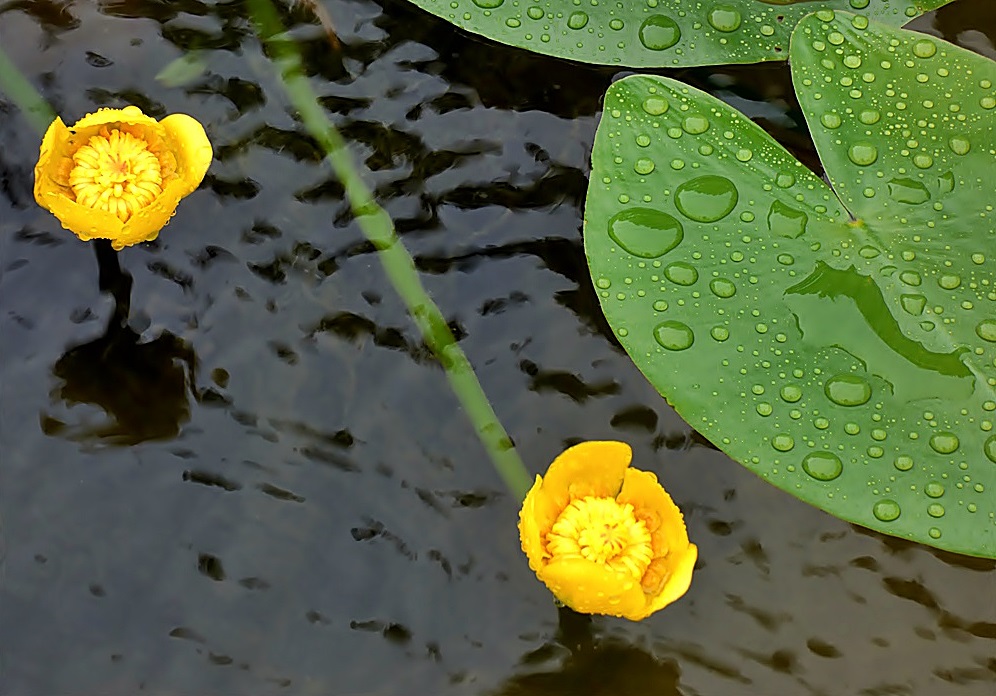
34	107
397	262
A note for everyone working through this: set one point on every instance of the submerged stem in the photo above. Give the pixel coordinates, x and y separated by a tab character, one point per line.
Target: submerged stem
397	262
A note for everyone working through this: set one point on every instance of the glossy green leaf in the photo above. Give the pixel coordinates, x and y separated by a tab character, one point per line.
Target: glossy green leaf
656	33
843	348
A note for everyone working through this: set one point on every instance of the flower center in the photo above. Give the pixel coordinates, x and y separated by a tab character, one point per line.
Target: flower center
602	531
116	172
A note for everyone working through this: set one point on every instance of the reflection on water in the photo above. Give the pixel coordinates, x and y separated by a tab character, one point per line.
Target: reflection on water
318	517
143	387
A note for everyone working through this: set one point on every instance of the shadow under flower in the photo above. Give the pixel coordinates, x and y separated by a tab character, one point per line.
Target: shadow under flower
143	389
596	666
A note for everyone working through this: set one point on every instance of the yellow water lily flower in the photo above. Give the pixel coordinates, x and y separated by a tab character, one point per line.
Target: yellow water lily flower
118	174
605	538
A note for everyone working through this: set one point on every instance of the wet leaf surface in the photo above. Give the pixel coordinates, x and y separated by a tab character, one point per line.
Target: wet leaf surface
656	33
841	343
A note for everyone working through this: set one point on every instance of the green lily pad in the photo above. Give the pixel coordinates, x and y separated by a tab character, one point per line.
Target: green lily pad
656	33
840	343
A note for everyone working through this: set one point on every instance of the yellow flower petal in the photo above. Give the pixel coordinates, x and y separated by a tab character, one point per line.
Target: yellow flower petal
115	190
587	469
593	588
535	521
131	115
187	139
655	508
678	582
55	145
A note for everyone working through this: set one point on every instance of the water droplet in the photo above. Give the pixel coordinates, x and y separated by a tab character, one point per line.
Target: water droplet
910	278
786	221
695	124
660	305
990	448
848	390
721	287
677	164
836	38
935	510
786	259
913	304
987	102
644	165
924	48
513	22
720	333
959	145
859	5
535	12
744	155
944	442
922	161
764	409
577	20
949	281
783	442
886	510
706	199
659	32
488	4
724	18
904	462
986	330
852	61
791	393
830	120
869	117
681	273
616	24
934	489
822	466
643	140
785	180
603	283
934	533
908	191
655	106
863	154
645	232
674	335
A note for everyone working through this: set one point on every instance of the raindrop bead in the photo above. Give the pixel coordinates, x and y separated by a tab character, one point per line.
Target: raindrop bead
830	120
990	448
577	20
659	32
986	330
934	489
944	442
863	154
655	106
959	145
645	232
791	393
886	510
924	49
783	442
822	466
725	18
848	390
695	125
644	166
903	462
706	199
721	287
674	335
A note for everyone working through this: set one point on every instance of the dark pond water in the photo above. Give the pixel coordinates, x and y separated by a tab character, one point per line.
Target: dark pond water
264	484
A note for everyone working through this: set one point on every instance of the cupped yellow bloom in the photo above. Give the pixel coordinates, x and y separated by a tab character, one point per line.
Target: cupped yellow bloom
606	539
118	174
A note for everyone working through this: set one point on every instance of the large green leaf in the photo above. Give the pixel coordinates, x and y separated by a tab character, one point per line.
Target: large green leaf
656	33
843	348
